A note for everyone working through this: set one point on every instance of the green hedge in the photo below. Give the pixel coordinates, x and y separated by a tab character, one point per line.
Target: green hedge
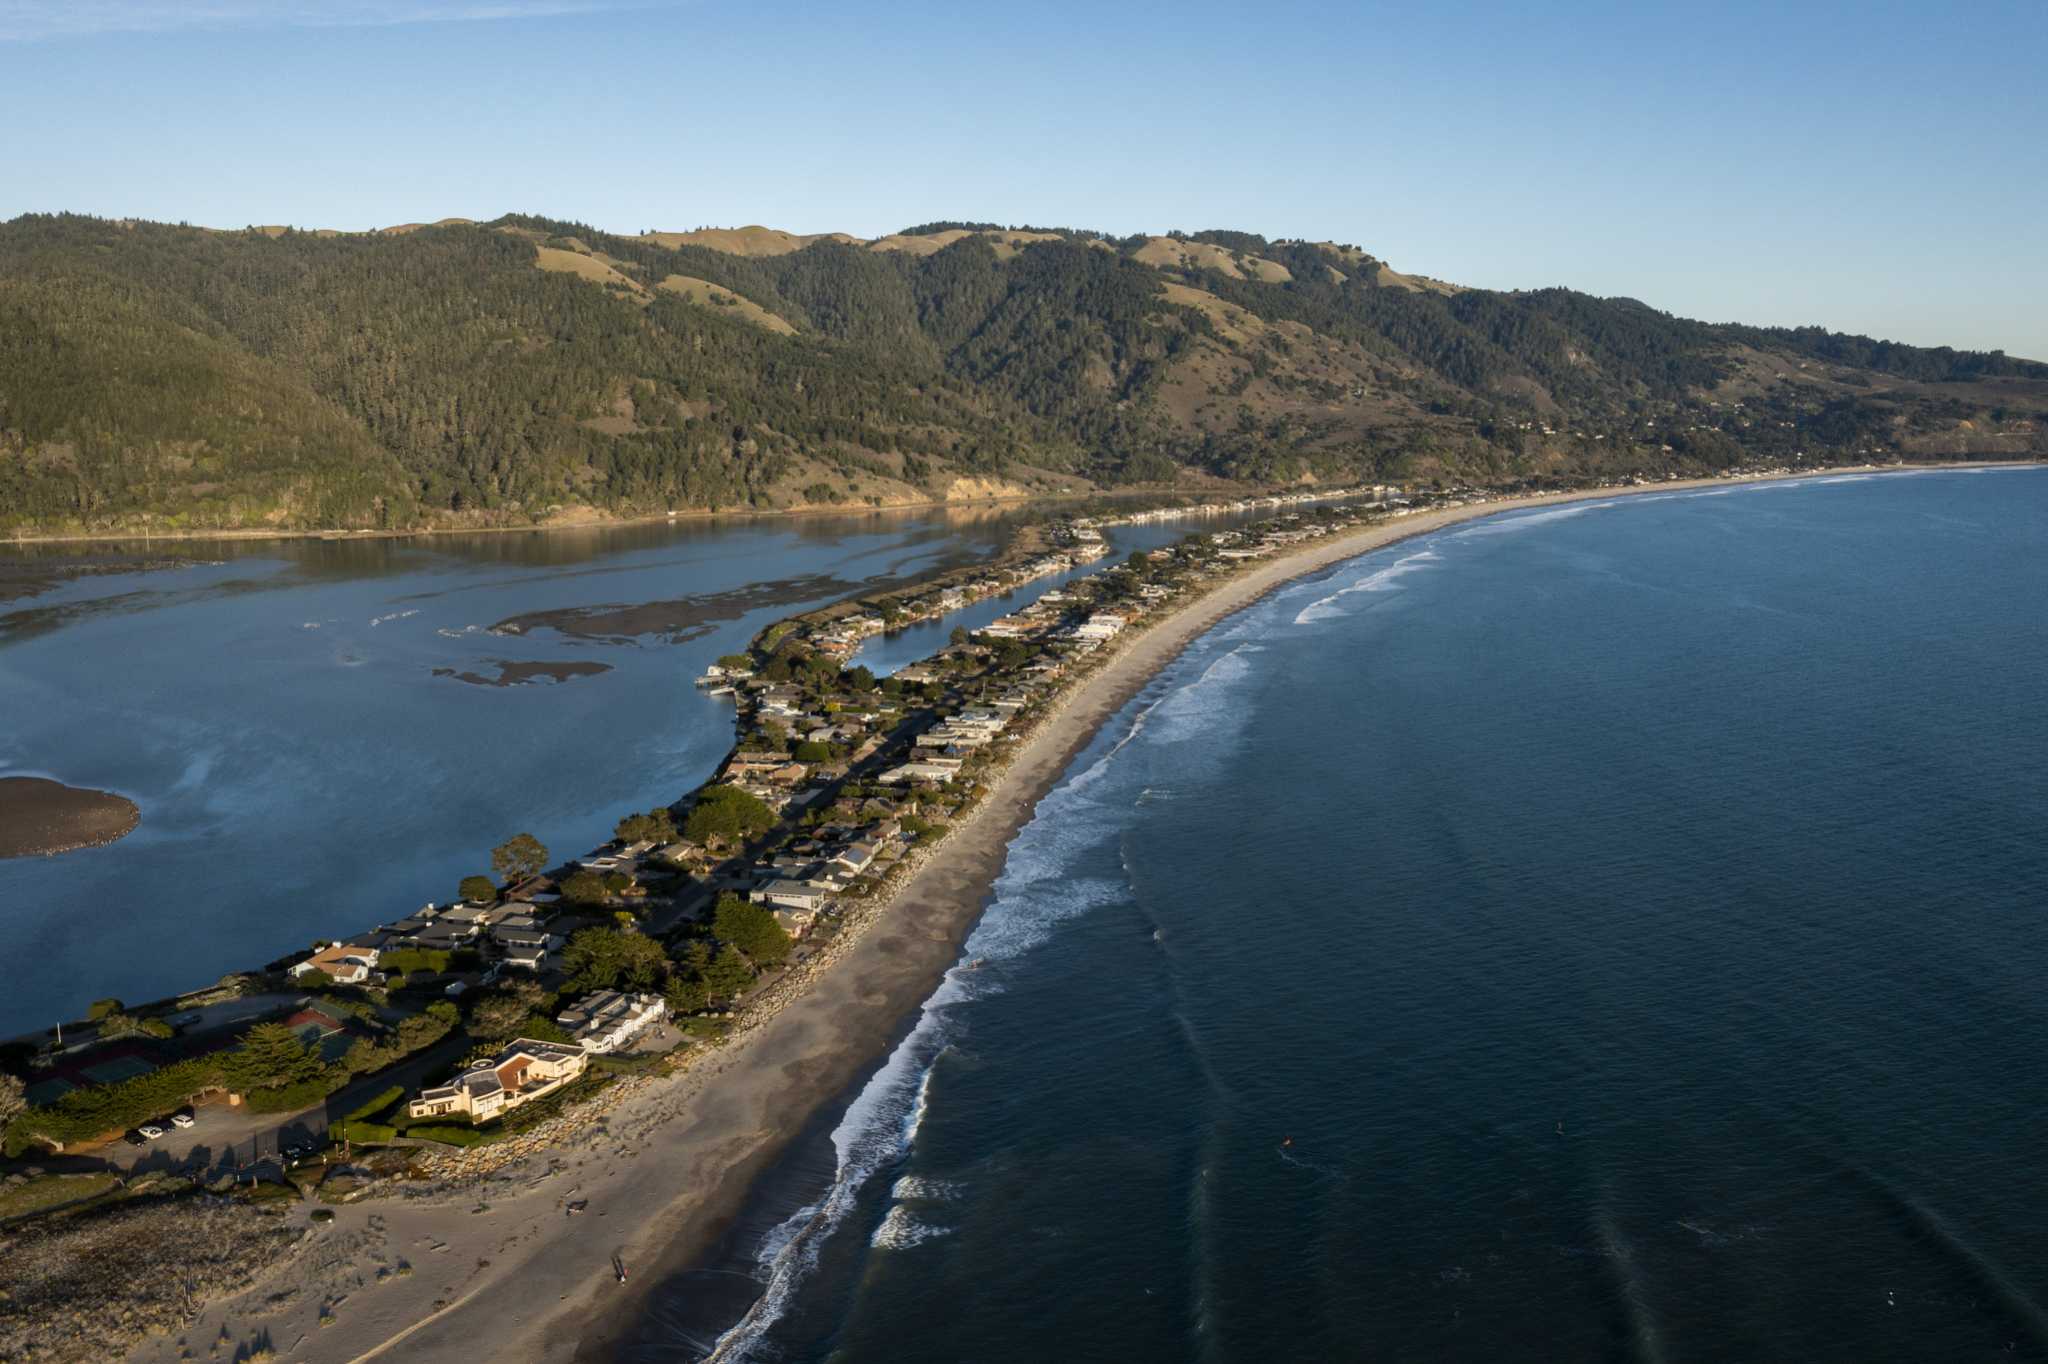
374	1133
378	1104
291	1098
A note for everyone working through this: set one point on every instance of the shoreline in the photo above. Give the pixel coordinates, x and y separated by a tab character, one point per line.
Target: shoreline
676	1161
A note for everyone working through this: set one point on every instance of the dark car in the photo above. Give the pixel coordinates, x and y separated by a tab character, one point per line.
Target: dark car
134	1138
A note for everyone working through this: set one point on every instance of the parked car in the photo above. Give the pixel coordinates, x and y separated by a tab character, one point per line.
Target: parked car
183	1118
150	1130
134	1138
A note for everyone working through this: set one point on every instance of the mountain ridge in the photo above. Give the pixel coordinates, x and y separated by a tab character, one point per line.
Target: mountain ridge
525	369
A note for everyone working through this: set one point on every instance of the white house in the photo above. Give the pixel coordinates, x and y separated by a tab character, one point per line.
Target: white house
524	1071
608	1020
792	895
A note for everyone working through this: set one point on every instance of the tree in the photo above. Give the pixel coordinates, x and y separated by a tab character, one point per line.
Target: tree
478	888
501	1014
656	826
608	959
315	979
100	1008
741	661
11	1102
727	976
726	812
271	1055
860	678
959	636
519	857
812	751
752	929
585	887
688	989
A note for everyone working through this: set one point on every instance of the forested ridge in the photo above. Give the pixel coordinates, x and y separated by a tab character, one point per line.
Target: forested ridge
180	378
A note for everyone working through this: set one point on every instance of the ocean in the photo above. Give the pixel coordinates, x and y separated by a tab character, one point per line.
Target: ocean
1613	931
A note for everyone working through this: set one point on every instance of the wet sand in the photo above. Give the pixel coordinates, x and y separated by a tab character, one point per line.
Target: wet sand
39	817
670	1167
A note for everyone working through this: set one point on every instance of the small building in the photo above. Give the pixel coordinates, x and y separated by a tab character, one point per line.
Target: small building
343	963
609	1020
524	1071
792	895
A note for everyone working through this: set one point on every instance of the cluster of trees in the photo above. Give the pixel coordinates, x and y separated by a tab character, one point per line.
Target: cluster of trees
741	940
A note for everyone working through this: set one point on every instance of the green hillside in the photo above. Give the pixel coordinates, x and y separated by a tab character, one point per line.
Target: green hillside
512	372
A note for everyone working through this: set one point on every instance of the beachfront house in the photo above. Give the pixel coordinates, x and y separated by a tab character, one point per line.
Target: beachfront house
343	963
785	894
609	1020
524	1071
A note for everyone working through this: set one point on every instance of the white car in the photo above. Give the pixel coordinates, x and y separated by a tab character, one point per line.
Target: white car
150	1130
182	1120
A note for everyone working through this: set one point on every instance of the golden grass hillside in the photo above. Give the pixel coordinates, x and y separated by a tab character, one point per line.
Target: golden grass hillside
585	267
709	295
1173	254
745	241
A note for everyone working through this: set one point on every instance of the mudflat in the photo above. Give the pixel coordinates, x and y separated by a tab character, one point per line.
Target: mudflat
39	817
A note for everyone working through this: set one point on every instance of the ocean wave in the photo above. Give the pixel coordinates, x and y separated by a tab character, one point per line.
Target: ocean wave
1380	580
395	615
458	634
1503	525
925	1189
902	1229
1036	892
878	1130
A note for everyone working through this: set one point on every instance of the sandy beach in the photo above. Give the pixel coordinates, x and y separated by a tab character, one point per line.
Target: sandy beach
503	1272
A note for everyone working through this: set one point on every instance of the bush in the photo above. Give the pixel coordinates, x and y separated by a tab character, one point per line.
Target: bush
292	1097
407	960
478	888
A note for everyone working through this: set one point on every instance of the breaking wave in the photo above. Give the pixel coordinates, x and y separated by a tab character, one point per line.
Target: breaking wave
1036	892
1502	525
901	1230
1380	580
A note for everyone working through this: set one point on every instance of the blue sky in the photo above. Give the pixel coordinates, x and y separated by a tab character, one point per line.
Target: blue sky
1875	167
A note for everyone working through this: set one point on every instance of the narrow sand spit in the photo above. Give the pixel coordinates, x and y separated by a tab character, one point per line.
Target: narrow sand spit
39	817
500	1271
